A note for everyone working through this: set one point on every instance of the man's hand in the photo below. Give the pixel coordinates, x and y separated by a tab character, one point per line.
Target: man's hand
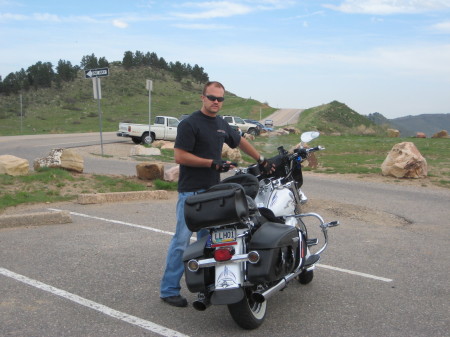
267	167
222	165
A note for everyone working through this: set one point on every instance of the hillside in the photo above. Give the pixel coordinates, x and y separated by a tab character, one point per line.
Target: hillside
427	123
336	117
410	125
70	107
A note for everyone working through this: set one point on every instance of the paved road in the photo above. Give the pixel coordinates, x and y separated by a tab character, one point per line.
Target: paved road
283	117
99	276
32	147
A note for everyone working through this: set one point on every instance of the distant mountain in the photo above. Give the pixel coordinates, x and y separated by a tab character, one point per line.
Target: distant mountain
336	117
410	125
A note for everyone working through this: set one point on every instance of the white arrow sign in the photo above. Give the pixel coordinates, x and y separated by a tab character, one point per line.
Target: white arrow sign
96	72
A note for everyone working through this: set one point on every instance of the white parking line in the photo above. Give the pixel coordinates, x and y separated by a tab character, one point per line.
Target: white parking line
357	273
147	325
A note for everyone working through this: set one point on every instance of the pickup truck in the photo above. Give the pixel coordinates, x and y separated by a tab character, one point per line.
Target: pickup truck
164	128
244	126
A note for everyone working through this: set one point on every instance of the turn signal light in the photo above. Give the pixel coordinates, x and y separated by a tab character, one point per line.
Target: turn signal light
223	254
193	265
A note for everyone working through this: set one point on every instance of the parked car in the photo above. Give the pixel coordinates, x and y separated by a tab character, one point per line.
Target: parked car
244	126
164	128
260	126
268	122
237	129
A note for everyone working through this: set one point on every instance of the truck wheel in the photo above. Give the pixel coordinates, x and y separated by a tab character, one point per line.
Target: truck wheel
146	139
136	140
247	313
252	131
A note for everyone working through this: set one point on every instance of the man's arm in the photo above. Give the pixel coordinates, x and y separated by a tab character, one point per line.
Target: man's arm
248	148
188	159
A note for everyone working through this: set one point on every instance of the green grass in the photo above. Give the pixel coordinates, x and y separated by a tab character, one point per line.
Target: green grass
71	108
348	154
53	185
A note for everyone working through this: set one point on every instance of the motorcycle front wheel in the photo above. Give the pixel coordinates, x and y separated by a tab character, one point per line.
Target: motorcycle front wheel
247	313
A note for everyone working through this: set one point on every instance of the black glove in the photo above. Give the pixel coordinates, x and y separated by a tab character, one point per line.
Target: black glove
221	165
267	167
302	152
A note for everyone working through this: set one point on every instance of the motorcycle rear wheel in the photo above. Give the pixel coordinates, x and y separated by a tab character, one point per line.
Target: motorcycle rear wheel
247	313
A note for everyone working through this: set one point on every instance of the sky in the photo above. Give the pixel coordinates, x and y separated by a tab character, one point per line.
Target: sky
386	56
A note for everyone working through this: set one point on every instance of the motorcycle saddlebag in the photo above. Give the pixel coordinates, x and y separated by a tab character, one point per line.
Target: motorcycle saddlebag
249	182
221	204
199	280
278	247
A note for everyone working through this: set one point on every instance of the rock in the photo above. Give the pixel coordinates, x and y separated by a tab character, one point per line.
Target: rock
233	155
404	161
158	143
249	136
72	161
13	166
168	146
292	130
150	171
421	135
172	174
441	134
61	158
139	150
393	133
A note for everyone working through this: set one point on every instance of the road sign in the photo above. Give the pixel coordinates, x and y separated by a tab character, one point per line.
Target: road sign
100	72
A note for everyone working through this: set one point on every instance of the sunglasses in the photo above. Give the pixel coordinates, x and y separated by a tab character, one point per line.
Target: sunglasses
213	98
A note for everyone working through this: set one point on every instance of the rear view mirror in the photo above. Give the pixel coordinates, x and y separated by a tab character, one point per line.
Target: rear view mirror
306	137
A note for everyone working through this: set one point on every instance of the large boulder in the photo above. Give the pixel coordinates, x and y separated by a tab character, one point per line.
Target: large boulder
441	134
150	171
421	135
249	136
404	161
13	166
139	150
292	130
172	174
61	158
393	133
233	155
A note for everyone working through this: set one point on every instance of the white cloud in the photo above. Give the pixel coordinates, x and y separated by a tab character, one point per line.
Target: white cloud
201	26
383	7
443	27
214	9
46	17
119	23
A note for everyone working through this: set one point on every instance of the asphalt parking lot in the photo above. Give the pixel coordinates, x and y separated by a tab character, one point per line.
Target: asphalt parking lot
99	276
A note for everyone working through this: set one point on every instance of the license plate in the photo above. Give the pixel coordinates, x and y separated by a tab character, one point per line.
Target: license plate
224	235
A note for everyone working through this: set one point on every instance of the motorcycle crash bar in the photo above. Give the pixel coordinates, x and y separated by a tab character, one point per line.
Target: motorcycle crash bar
194	265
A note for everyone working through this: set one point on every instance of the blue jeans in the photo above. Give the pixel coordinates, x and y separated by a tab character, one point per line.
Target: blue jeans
170	282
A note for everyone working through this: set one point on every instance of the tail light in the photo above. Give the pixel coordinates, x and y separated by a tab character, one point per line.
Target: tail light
129	128
223	254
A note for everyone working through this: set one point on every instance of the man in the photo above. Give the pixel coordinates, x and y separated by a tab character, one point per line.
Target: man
198	149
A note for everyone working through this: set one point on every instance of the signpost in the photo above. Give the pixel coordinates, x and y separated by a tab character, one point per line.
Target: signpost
149	87
95	74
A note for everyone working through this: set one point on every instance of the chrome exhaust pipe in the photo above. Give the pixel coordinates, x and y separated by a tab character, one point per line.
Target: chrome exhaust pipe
201	304
261	296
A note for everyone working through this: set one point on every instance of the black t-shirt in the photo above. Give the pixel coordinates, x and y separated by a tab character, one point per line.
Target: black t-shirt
203	136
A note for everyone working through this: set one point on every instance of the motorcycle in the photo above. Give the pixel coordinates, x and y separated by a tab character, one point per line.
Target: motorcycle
256	239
